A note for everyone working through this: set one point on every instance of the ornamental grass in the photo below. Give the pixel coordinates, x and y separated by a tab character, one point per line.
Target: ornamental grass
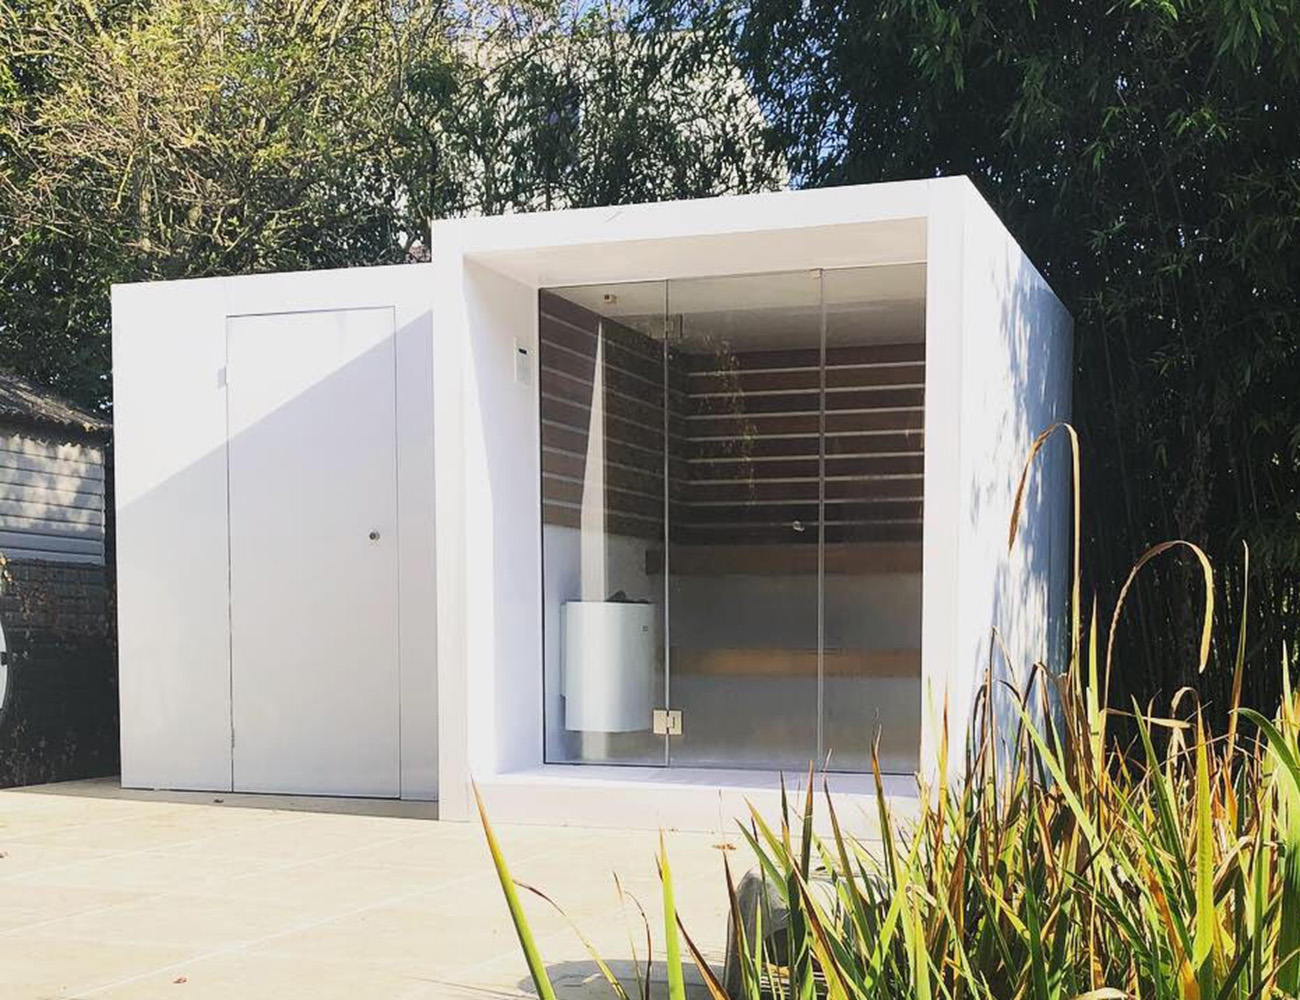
1064	863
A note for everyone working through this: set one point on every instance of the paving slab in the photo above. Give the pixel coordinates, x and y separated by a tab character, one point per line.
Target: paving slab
112	893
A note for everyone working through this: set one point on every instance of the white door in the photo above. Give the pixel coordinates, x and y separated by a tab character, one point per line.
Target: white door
313	552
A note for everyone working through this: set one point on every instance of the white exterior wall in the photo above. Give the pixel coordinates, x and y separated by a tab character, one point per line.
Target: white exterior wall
984	304
169	352
486	447
1017	360
999	350
998	367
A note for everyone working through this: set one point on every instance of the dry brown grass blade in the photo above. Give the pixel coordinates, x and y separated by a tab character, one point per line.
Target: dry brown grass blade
711	981
1207	572
1186	975
642	983
1018	504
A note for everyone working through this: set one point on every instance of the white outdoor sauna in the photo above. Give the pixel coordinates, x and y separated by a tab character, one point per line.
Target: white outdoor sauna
622	512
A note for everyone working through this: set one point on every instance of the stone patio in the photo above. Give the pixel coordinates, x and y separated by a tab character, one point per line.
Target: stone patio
113	894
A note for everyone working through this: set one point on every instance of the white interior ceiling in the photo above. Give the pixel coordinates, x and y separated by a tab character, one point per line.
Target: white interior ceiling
864	305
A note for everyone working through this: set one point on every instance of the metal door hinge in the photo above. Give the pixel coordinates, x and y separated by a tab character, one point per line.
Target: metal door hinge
221	377
667	722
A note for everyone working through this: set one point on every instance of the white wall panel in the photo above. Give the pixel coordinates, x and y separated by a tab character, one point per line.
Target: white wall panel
170	415
945	351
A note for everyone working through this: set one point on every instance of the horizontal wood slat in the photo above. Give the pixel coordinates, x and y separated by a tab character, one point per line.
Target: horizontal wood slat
750	437
56	513
904	442
862	421
751	491
50	528
23	444
615	523
780	560
796	379
746	403
809	357
808	468
837	512
58	482
88	468
17	544
796	663
901	531
24	492
575	395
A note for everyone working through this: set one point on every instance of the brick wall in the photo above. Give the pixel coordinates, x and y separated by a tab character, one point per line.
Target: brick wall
59	718
53	597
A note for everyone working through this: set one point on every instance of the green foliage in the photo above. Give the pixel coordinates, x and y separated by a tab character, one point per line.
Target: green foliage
1060	866
1146	153
1167	874
144	139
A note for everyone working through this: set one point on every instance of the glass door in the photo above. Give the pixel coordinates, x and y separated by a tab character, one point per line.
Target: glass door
744	527
731	504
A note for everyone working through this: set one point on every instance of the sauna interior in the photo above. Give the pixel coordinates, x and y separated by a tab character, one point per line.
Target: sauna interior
732	494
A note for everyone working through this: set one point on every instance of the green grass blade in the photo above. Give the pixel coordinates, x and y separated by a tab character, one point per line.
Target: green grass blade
536	968
601	965
821	946
672	948
750	958
1206	925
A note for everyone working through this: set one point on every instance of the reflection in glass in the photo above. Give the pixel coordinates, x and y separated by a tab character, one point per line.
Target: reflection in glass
744	523
602	433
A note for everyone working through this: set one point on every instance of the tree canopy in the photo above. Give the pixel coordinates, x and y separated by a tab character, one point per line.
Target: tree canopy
146	139
1145	153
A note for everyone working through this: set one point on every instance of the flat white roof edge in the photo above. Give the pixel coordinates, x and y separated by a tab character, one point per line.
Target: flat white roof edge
767	211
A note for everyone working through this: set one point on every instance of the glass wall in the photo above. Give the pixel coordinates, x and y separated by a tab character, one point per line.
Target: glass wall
874	416
732	519
744	536
601	366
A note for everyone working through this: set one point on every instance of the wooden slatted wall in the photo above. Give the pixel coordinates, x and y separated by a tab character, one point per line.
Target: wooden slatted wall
753	445
744	434
51	499
631	416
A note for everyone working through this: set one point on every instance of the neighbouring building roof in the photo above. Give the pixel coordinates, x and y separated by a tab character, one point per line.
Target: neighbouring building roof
25	403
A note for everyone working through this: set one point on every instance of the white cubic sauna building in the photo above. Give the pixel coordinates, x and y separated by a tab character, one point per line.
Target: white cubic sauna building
621	512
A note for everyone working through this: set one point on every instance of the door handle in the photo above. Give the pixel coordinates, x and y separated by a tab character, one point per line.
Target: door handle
374	536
